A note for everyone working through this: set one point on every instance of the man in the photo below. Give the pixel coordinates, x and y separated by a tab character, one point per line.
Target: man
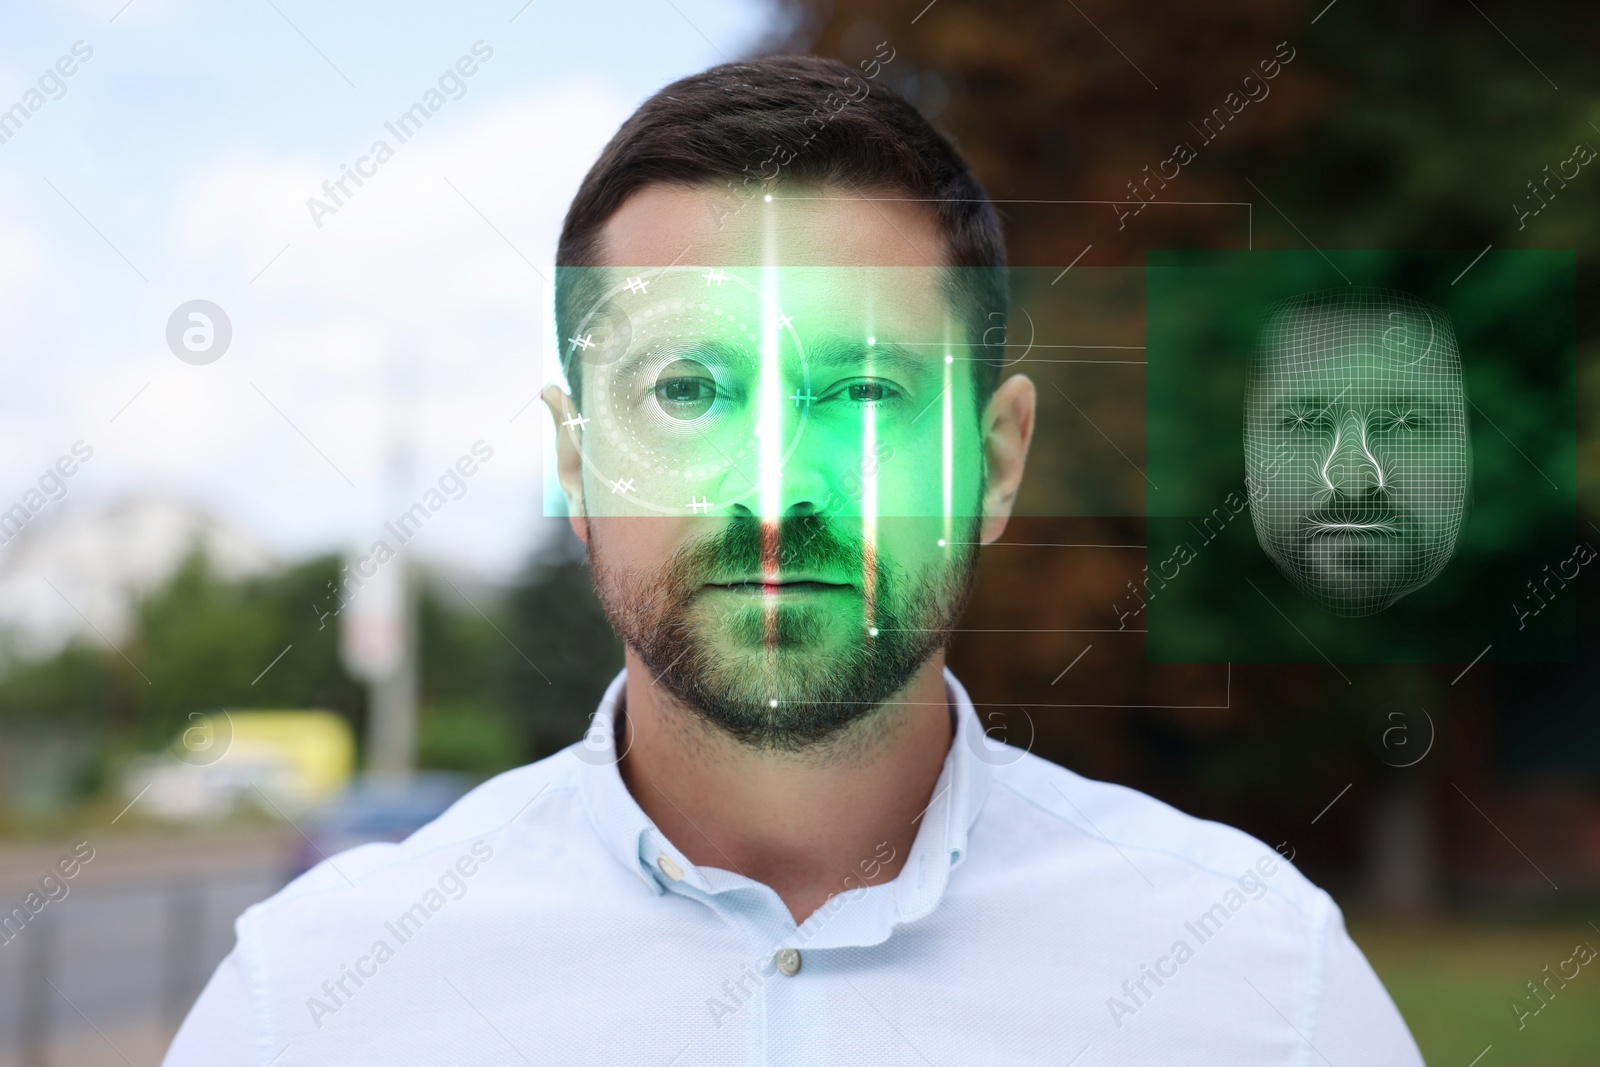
1356	447
787	840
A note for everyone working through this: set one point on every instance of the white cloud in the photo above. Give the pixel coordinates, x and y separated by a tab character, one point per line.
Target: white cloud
404	280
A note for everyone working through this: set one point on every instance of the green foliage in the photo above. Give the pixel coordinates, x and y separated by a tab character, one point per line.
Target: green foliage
520	680
199	643
72	688
475	739
204	643
564	655
461	651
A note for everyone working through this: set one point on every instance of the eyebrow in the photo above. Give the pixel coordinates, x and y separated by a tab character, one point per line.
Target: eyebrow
833	353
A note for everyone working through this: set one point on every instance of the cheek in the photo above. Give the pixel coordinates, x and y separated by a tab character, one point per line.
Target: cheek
1286	497
1434	500
630	546
919	474
909	548
914	497
1437	463
619	483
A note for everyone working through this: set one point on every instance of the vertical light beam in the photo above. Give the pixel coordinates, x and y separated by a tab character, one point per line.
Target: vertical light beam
949	445
869	500
769	423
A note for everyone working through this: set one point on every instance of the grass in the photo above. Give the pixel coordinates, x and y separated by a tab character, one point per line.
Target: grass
1454	981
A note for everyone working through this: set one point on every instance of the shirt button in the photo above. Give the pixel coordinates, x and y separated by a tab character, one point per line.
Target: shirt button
668	868
788	961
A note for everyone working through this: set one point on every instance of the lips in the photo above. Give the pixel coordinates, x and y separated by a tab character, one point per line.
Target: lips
1359	521
1368	527
790	585
787	579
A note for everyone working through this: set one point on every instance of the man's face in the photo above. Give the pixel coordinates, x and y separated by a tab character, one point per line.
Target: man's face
1357	452
782	471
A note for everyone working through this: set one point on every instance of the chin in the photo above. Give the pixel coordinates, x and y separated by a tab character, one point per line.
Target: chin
1354	597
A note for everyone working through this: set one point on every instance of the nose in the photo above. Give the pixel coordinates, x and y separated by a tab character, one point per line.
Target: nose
802	495
802	474
1351	467
800	486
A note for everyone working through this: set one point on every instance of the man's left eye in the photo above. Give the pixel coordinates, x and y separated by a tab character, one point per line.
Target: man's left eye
1400	420
871	392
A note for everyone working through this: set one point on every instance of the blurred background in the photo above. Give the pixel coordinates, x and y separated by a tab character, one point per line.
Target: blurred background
208	678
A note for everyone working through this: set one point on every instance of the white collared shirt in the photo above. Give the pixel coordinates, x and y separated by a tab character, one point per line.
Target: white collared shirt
1041	918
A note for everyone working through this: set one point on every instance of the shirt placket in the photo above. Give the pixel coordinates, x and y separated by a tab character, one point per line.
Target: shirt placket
780	1005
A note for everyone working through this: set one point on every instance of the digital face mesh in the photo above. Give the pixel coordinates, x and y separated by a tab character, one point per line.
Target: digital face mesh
1356	446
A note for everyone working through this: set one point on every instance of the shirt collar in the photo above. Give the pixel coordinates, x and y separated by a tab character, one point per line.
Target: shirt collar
941	842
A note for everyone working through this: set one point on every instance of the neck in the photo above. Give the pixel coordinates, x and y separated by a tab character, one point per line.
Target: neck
808	825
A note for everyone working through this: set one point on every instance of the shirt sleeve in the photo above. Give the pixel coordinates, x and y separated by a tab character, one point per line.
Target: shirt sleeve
219	1030
1357	1021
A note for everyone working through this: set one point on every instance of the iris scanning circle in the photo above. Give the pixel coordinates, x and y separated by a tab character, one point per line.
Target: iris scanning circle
671	391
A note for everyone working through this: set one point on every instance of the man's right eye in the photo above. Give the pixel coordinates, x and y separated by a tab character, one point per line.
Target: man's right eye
685	397
687	390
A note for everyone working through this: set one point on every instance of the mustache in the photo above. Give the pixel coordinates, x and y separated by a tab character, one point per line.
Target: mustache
801	543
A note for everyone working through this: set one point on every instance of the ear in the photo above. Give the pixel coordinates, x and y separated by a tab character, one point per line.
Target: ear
1007	432
569	456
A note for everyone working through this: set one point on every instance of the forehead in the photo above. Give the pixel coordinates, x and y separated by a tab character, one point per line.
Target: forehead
802	225
1359	347
807	300
834	267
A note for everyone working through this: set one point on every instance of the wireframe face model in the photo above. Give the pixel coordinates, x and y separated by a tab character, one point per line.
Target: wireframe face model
1356	449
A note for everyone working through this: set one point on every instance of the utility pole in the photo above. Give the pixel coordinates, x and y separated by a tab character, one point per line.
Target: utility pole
378	631
390	668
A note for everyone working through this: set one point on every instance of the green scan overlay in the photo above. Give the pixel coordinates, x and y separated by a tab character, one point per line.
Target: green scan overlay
870	378
1369	457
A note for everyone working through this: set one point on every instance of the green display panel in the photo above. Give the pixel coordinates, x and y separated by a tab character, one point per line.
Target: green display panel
1361	457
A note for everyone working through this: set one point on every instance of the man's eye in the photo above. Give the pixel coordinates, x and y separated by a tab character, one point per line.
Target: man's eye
1300	420
1398	420
686	390
686	397
870	393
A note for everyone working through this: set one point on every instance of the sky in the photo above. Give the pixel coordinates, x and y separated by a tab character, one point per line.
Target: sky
377	336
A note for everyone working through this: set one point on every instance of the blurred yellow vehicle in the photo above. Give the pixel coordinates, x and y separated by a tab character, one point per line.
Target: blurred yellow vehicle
283	761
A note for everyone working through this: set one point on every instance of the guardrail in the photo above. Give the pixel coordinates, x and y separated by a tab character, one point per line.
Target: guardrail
111	959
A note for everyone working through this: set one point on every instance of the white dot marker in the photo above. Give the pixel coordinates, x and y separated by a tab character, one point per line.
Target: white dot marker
872	340
941	542
949	359
768	198
873	631
771	703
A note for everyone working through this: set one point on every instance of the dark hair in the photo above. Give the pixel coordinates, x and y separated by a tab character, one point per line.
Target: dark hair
728	123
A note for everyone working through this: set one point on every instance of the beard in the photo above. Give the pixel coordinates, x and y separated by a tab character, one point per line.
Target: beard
779	676
1354	572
